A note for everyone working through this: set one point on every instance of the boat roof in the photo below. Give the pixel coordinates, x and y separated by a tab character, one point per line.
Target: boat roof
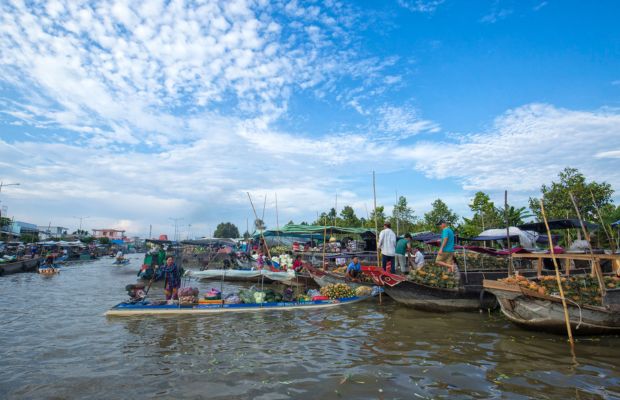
568	223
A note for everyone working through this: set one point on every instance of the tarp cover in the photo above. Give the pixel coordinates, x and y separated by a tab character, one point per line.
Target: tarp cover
570	223
527	239
315	229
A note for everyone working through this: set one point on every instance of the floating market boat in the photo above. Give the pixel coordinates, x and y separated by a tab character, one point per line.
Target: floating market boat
28	265
124	261
49	270
532	310
531	306
288	277
324	278
146	308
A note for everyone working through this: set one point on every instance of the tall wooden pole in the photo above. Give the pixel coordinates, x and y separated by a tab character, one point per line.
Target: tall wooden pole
324	236
374	194
558	279
610	238
510	265
594	265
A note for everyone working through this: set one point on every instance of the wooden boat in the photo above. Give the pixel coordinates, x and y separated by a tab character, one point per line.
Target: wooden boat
324	278
532	310
28	265
124	261
49	270
129	309
468	296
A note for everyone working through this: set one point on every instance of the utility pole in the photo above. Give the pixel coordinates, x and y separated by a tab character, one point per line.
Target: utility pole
80	229
2	184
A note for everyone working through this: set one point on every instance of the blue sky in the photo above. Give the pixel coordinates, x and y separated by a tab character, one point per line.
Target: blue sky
131	113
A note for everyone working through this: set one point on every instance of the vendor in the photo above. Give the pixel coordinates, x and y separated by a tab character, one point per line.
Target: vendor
298	264
354	270
119	256
172	278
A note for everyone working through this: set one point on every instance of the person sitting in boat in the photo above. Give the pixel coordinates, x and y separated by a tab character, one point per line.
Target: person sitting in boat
119	256
418	258
172	279
298	264
354	270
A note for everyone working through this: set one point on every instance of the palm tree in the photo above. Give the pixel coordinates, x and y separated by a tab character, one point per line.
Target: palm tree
516	216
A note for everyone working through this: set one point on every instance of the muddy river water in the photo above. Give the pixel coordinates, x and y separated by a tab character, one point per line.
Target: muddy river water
56	344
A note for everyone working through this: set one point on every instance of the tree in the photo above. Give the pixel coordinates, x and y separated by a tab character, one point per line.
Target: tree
246	235
104	240
87	239
403	217
5	221
29	237
557	198
440	211
80	232
379	211
516	216
348	217
485	216
226	230
290	222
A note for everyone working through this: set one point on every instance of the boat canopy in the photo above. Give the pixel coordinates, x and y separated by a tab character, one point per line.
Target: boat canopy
210	242
292	229
527	239
570	223
617	223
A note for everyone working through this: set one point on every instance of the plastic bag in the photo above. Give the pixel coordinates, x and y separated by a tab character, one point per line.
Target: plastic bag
376	290
288	294
313	292
232	299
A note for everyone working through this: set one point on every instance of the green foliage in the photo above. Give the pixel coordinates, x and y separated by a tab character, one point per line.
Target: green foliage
557	199
439	211
226	230
80	232
380	213
348	217
5	221
516	216
403	218
29	237
246	235
104	240
87	239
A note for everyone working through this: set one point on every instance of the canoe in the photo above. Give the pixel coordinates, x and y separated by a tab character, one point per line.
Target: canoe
129	309
531	310
324	278
123	262
29	265
44	270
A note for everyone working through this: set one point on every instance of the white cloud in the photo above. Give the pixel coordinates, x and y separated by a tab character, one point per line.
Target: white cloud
421	6
525	148
496	14
403	122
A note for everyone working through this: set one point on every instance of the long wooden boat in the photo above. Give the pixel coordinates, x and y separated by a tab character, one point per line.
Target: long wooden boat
324	278
532	310
28	265
129	309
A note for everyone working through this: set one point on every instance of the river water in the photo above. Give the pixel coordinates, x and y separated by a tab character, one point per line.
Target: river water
56	344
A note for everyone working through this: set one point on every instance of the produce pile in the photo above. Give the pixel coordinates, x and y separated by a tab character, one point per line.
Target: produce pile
434	275
285	261
479	261
337	291
188	295
343	270
363	291
277	250
582	289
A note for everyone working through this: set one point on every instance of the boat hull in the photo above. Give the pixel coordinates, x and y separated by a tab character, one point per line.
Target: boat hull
29	265
125	309
323	278
532	311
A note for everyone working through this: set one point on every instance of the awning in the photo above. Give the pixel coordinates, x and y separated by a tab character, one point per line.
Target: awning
570	223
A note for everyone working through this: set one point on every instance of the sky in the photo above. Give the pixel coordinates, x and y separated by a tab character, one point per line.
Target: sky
134	114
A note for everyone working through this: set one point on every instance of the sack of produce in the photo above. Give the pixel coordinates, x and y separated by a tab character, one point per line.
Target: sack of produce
363	291
247	296
232	299
288	294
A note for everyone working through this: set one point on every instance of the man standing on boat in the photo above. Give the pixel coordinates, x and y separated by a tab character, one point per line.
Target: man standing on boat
387	243
445	255
403	247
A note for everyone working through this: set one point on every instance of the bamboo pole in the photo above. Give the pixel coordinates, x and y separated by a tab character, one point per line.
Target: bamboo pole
510	265
610	238
374	193
324	236
558	279
595	268
261	228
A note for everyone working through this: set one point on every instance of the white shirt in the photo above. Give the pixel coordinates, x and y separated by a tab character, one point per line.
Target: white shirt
419	260
119	254
387	242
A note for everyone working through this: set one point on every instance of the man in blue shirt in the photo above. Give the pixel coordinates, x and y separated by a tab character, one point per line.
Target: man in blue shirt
354	270
445	255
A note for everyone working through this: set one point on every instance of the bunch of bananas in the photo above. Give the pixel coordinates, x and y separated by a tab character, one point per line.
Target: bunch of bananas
337	291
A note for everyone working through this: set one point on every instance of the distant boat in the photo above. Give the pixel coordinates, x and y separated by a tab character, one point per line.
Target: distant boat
28	265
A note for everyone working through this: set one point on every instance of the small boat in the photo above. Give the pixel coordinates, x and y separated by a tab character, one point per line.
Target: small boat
28	265
124	261
49	270
145	308
324	278
532	310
